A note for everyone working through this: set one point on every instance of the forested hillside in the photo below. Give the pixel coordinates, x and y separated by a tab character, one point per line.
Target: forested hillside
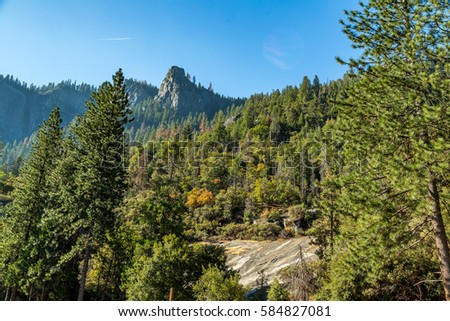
24	107
132	199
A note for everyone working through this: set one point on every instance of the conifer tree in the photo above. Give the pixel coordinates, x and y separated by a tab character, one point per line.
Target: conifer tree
203	124
101	172
305	89
22	231
394	128
316	86
58	229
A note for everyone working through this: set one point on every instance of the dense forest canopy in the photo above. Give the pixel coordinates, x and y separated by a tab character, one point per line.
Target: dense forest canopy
130	199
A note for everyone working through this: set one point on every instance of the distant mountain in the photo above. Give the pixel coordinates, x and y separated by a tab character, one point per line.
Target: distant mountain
179	93
23	108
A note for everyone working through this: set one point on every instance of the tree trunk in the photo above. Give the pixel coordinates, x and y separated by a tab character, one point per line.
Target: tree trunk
7	293
84	273
30	292
13	294
440	237
42	292
108	273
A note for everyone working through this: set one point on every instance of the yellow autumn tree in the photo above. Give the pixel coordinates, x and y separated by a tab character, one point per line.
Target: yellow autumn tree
199	197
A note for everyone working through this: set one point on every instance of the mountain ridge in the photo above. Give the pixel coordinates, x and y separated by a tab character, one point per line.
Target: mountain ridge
24	108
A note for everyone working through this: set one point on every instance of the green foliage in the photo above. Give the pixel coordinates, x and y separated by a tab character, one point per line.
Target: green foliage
22	256
106	274
233	168
215	285
6	184
158	216
381	275
257	232
100	174
152	277
277	292
65	201
172	263
377	208
275	192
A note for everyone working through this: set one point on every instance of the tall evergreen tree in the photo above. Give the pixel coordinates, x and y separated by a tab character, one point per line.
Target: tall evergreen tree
101	172
395	129
305	89
316	86
58	233
22	231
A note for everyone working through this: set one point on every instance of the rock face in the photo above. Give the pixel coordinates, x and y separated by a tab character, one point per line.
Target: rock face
23	110
250	257
178	92
139	91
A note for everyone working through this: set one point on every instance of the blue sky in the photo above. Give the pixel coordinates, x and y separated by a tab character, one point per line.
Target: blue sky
240	46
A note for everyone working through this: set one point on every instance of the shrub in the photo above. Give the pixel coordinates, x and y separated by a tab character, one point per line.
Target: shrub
172	263
216	285
234	231
277	292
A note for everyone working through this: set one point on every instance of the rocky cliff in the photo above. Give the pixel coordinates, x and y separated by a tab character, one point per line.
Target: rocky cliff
178	92
250	258
24	109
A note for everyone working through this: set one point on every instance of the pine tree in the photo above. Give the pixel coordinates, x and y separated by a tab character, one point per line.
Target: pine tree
58	233
101	172
394	127
22	232
316	86
305	89
203	124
